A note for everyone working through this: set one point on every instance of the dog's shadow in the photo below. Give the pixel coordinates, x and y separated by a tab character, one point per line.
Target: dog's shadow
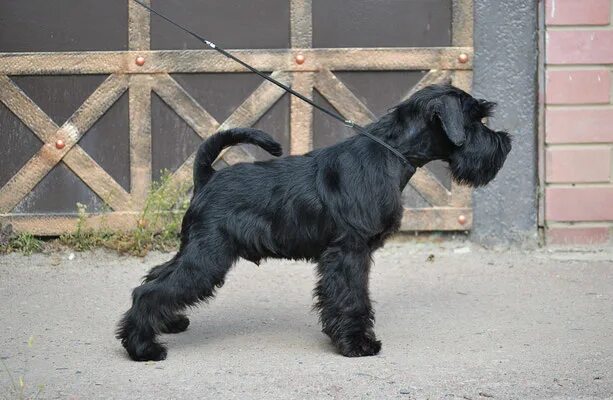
260	327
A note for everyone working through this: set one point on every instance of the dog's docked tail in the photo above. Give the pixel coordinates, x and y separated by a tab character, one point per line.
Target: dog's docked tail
210	149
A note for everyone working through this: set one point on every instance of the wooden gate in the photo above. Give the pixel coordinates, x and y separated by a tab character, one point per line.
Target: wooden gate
149	81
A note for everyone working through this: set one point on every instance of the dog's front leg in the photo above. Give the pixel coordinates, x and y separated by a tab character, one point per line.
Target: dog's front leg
342	299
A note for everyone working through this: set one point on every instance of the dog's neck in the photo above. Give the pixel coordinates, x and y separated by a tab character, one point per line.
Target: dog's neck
408	140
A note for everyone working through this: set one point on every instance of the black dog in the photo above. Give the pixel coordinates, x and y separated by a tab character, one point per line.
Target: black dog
334	206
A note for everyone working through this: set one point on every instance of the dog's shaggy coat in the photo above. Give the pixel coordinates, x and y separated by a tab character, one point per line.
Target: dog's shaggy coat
333	206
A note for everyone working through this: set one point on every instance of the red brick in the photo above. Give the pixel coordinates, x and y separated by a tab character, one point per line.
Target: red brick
577	12
581	235
580	125
575	165
579	47
579	203
577	87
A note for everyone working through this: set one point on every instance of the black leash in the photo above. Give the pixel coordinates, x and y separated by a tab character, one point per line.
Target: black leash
332	114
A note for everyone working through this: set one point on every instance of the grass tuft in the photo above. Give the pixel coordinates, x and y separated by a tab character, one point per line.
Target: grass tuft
25	243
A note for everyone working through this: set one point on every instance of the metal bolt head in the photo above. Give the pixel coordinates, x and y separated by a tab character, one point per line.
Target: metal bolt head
463	58
462	219
140	61
300	59
59	144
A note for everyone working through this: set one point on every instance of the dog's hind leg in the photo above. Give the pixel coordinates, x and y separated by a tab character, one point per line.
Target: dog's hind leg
180	322
342	299
156	305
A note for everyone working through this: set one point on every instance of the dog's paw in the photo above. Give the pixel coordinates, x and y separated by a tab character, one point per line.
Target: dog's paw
177	325
150	351
359	346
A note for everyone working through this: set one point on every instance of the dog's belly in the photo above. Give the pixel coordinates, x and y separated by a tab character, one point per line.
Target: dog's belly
306	240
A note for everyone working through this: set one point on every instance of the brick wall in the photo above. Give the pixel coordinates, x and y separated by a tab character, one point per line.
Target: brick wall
579	122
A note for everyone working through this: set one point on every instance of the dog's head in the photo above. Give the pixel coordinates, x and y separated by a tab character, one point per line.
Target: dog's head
443	122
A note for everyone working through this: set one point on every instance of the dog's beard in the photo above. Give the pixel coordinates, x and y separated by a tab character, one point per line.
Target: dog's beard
479	160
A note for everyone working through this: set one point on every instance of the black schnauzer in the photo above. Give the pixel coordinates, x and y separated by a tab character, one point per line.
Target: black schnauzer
333	206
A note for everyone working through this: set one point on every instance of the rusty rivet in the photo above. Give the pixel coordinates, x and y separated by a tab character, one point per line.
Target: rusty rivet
462	219
300	59
59	144
463	58
140	61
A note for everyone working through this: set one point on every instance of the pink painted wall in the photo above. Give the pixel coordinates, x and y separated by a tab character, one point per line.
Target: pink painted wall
579	122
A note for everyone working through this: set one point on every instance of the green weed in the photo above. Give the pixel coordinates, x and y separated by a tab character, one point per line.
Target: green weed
83	239
158	226
25	243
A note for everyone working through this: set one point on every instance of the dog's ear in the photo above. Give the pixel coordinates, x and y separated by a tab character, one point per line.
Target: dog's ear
449	111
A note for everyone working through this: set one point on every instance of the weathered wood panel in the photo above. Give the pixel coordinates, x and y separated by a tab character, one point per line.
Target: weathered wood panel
425	38
198	61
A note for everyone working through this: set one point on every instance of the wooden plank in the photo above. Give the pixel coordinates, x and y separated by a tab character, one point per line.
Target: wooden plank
157	61
432	77
430	188
462	23
139	26
177	98
140	138
54	225
192	61
94	176
26	110
301	115
436	219
461	195
342	99
301	23
66	63
463	80
28	177
385	59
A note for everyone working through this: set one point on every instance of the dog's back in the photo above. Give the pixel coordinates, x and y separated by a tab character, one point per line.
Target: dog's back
270	208
291	207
